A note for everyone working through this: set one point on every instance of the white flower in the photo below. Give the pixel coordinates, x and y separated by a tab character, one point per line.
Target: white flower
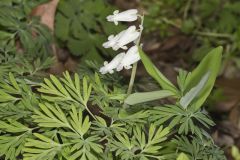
131	57
128	36
126	16
123	38
109	67
112	40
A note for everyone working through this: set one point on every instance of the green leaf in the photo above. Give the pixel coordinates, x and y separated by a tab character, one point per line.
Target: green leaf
211	63
66	89
182	156
13	127
62	31
13	139
43	148
186	120
136	98
156	74
50	116
150	146
189	96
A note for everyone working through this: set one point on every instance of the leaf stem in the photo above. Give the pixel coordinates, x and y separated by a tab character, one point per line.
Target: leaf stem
90	112
212	34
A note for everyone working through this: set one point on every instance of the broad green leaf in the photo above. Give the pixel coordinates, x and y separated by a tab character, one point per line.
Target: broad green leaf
211	63
189	96
136	98
156	74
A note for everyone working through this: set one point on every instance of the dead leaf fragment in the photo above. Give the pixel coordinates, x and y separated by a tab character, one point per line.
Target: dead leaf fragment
47	13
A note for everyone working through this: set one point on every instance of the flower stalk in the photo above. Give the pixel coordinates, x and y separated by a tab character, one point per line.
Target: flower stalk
132	35
134	69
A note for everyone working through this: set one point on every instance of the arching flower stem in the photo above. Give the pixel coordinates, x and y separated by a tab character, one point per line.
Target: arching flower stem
134	69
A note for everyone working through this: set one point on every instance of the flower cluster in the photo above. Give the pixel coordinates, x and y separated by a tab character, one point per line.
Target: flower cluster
121	40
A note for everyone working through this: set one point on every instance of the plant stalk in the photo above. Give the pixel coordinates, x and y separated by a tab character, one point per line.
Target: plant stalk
131	82
134	69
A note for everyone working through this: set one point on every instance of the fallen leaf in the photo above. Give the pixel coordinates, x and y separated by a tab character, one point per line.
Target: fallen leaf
47	13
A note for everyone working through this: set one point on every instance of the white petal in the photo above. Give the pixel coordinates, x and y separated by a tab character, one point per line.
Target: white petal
119	67
110	37
116	23
105	63
131	57
112	40
116	12
109	67
127	67
128	36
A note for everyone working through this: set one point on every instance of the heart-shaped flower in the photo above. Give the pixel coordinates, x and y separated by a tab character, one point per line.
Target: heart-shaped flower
109	67
125	16
112	40
128	36
131	57
122	39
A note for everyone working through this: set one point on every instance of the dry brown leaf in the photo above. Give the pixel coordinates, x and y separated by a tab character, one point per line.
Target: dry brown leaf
47	13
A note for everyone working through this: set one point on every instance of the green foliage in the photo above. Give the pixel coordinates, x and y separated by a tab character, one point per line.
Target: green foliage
82	28
24	41
136	98
185	120
83	117
211	63
193	92
198	83
63	124
73	129
42	148
198	149
13	140
138	146
66	89
156	74
104	95
182	156
16	25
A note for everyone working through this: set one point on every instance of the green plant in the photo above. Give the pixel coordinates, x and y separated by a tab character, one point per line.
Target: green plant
81	27
85	117
24	41
18	26
61	121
